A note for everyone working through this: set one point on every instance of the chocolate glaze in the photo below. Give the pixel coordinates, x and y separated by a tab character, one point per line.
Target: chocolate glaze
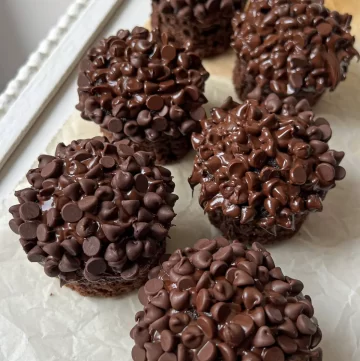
95	211
220	301
141	87
263	164
292	47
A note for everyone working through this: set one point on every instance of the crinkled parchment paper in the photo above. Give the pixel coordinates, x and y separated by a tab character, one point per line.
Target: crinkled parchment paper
41	322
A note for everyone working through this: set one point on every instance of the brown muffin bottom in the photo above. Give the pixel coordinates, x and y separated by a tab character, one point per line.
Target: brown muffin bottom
166	149
248	233
206	41
106	288
112	286
245	83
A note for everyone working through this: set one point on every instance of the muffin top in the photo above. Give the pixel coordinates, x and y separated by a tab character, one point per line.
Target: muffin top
220	301
202	11
94	210
290	46
141	86
265	162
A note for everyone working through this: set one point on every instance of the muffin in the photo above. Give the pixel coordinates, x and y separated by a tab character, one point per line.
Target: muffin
96	215
290	48
141	87
264	167
221	302
203	26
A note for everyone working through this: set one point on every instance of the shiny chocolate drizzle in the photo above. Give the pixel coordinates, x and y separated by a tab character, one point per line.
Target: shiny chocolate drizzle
139	85
293	47
95	210
221	301
264	163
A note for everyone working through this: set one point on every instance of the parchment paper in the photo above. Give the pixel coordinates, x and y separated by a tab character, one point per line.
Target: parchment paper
41	322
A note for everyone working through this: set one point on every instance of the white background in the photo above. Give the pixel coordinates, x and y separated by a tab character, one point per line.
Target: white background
23	24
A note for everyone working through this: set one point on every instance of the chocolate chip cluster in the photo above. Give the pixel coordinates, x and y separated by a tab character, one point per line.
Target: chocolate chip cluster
264	164
95	211
220	301
138	86
203	11
202	26
291	47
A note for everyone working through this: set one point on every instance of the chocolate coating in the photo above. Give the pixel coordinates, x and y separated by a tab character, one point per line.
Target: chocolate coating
249	311
202	26
95	214
264	166
142	88
291	48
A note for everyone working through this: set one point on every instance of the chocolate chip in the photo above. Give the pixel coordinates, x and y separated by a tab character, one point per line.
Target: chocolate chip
69	263
28	229
305	325
14	225
51	267
220	311
141	183
91	246
232	334
36	254
155	102
202	259
71	213
71	246
192	337
131	272
86	227
263	337
95	266
168	342
178	322
138	354
29	211
326	172
168	52
88	186
274	353
208	352
88	204
152	201
72	191
298	175
52	169
112	231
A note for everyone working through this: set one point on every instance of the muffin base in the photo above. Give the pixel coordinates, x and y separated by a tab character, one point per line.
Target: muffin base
106	288
166	149
248	233
112	286
245	83
205	41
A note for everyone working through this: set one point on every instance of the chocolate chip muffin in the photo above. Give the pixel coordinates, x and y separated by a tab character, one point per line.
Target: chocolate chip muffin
203	26
221	302
291	48
264	167
141	87
96	215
